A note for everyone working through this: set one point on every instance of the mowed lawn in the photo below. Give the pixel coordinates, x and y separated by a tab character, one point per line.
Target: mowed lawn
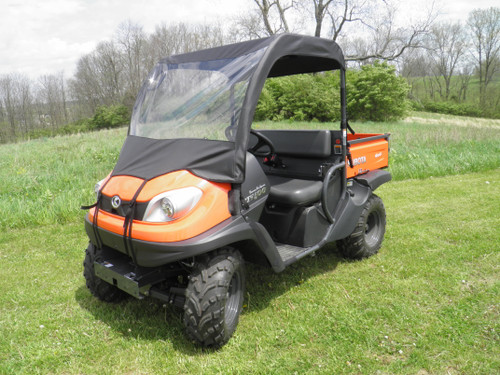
428	303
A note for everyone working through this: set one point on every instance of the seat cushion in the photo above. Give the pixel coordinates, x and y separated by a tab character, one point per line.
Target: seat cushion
294	192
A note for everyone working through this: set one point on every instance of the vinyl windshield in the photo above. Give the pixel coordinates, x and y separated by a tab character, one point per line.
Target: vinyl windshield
194	100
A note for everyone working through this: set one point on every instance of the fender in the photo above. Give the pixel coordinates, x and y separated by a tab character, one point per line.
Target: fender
374	179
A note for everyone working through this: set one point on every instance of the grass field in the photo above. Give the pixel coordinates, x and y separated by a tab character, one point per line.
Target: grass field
426	304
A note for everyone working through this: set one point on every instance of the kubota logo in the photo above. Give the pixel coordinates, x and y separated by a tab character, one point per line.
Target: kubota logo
358	161
116	202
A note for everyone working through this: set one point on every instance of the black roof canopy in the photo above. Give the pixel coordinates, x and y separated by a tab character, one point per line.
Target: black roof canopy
284	54
287	54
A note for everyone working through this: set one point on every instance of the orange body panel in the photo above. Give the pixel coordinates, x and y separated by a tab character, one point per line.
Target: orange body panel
367	156
211	210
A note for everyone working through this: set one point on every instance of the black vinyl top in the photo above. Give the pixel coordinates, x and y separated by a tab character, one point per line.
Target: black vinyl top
280	45
224	161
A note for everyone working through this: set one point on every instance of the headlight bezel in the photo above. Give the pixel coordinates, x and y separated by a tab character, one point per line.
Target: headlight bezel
182	202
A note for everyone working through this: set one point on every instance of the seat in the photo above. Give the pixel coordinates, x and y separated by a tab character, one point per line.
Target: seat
294	192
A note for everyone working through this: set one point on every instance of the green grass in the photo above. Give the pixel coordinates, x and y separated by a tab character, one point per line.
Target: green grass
427	303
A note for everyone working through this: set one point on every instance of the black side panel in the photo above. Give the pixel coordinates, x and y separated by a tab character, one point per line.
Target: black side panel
147	158
349	210
255	188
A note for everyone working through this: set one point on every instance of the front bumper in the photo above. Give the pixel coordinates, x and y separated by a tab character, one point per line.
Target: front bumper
153	254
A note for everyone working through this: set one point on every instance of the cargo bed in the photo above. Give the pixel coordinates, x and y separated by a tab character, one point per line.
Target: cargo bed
366	152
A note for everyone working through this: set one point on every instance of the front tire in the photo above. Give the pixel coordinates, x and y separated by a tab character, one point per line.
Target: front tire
214	297
98	287
367	236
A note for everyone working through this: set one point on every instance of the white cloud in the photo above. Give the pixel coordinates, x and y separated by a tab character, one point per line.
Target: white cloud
46	36
40	37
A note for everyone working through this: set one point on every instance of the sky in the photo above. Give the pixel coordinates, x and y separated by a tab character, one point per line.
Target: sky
48	36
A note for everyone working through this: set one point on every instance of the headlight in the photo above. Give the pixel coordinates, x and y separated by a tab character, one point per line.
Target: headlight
172	204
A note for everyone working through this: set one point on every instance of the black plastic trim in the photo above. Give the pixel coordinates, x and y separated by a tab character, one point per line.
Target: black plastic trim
230	231
368	139
374	179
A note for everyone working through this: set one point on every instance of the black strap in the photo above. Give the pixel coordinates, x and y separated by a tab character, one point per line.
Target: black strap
96	214
88	207
128	222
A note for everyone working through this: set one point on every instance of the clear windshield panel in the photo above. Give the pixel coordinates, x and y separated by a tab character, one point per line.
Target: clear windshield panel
194	100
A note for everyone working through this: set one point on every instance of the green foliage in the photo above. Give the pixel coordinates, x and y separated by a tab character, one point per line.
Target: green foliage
457	109
425	94
303	97
375	93
110	117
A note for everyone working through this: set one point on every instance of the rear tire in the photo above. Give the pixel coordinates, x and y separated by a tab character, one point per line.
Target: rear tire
214	297
98	287
367	236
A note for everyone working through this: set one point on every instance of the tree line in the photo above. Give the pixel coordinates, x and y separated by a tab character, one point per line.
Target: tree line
440	58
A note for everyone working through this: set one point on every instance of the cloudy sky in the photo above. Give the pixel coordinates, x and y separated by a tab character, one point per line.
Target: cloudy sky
46	36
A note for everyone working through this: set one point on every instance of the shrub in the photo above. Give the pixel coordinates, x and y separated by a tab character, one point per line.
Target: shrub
452	108
375	93
110	117
303	97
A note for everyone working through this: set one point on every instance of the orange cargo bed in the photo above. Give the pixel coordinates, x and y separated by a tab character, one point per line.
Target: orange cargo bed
367	153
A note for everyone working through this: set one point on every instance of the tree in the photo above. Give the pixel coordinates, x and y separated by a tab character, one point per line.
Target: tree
17	103
273	14
131	41
447	48
9	101
484	25
374	19
52	99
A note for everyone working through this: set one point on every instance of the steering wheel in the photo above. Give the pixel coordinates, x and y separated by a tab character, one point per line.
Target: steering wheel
262	140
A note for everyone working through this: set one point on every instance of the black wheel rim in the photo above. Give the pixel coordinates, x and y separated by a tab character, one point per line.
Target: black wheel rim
373	229
231	311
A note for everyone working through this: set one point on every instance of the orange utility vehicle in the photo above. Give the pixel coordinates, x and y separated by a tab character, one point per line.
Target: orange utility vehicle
197	192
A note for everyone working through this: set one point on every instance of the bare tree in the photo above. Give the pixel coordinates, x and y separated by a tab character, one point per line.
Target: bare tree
17	103
273	14
485	29
131	40
465	75
374	20
9	101
51	97
448	46
100	78
384	39
181	38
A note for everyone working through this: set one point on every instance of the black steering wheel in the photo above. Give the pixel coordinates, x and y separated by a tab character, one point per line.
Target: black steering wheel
262	140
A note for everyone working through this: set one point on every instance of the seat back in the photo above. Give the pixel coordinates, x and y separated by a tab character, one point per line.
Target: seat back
303	152
301	143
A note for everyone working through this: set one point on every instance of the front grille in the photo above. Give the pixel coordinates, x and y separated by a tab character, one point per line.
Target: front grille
140	208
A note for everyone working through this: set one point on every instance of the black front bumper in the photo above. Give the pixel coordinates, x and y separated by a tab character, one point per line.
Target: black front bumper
153	254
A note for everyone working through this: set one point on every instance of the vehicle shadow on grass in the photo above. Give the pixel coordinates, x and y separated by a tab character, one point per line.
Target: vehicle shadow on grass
264	285
153	320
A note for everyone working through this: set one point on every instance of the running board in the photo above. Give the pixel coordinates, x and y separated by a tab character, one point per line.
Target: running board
290	254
